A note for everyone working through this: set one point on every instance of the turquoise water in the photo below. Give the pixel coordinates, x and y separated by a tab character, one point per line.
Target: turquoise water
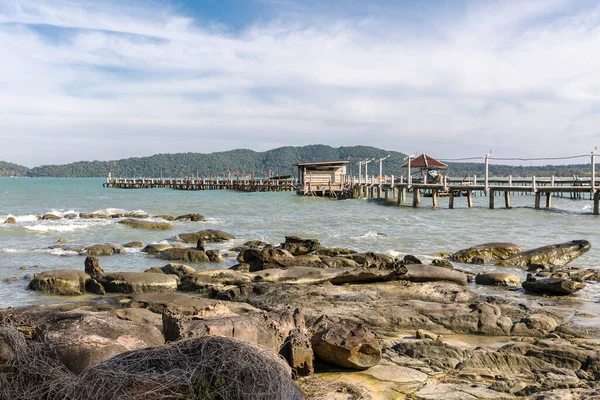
364	225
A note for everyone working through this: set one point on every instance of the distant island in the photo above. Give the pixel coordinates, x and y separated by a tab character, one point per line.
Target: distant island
276	161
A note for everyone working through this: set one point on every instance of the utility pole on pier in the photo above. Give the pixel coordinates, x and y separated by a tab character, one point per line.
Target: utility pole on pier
593	160
366	170
381	169
487	175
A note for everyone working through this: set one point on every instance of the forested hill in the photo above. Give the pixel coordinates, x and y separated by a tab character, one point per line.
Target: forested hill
10	169
277	160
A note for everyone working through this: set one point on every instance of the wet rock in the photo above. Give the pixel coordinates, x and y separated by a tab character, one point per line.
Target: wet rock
93	268
63	282
360	275
140	315
134	245
155	248
212	279
439	262
488	252
62	240
345	343
190	217
340	262
107	249
552	286
255	243
94	216
185	255
12	280
554	255
297	351
410	260
433	352
81	340
423	334
267	258
137	282
214	256
295	275
165	217
497	279
208	235
136	215
50	217
10	220
428	273
142	224
534	325
70	216
298	246
177	269
372	260
334	252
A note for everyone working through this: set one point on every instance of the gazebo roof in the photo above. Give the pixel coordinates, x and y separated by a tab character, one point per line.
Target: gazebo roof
424	161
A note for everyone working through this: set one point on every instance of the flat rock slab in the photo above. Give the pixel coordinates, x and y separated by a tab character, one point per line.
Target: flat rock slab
64	282
178	303
395	373
137	282
487	252
552	286
497	279
143	224
208	235
554	255
452	391
430	273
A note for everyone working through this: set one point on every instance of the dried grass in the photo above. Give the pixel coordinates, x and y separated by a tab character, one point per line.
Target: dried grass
210	367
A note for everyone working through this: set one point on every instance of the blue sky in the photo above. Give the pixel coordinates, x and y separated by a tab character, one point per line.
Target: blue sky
83	80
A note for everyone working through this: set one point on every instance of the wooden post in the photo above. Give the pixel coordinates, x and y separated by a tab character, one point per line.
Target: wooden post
416	197
469	198
399	198
548	199
507	198
597	202
538	196
434	197
387	195
403	196
451	200
491	195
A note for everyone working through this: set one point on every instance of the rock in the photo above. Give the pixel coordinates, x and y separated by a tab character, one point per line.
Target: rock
209	236
534	325
134	245
11	280
298	353
190	217
334	252
185	254
340	262
10	220
214	256
409	260
177	303
154	270
136	215
295	275
497	279
298	246
434	352
423	334
81	340
50	217
140	315
70	216
267	258
62	240
142	224
488	252
165	217
345	343
177	269
212	279
454	391
372	260
63	282
92	268
107	249
443	254
552	286
428	273
94	216
155	248
554	255
369	275
439	262
255	243
137	282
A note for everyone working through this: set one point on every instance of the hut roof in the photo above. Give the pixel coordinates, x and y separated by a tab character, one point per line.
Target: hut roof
424	161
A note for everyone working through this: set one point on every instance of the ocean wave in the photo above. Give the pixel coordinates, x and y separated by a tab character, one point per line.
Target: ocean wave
7	250
368	235
19	218
59	252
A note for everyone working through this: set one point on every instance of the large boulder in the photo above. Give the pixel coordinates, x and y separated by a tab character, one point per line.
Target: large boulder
334	252
552	286
50	217
372	260
497	279
295	275
429	273
107	249
212	279
190	217
184	254
553	255
298	246
138	282
267	258
155	248
208	235
345	343
10	220
486	253
81	340
63	282
297	351
177	269
143	224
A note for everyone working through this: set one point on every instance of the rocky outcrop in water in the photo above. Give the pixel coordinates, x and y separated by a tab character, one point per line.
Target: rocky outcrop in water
486	253
143	224
553	255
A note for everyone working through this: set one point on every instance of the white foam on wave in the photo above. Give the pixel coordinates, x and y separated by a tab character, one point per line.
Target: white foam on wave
213	221
587	207
54	228
7	250
59	252
20	218
368	235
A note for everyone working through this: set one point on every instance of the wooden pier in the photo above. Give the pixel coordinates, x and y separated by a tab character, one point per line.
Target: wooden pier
242	185
494	187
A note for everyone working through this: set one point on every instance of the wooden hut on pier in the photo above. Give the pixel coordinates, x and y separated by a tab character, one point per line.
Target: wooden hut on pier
426	168
324	179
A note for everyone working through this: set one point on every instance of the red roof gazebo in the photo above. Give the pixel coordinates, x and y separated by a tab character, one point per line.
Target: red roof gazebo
424	164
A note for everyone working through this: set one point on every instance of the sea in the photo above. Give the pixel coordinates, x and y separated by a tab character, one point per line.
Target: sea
29	246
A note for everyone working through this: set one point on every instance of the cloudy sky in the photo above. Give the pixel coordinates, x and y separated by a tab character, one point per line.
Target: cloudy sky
101	79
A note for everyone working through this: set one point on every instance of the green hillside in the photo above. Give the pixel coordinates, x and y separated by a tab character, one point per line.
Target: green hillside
10	169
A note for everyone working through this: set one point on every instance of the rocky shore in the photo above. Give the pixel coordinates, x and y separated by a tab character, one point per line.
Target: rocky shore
298	320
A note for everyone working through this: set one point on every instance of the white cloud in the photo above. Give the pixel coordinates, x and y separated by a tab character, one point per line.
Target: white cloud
84	80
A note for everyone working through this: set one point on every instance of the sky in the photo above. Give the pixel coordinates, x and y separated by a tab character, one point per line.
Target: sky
104	80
